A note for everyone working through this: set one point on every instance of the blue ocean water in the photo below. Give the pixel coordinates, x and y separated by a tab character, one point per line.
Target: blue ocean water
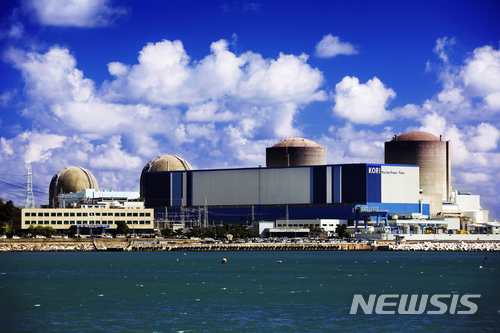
195	292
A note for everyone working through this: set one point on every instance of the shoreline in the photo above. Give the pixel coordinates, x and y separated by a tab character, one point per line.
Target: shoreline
131	244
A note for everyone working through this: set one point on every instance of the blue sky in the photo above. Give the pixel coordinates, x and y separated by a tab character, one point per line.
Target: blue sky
109	85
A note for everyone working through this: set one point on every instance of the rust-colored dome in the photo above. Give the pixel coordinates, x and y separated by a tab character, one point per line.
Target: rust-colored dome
296	142
416	136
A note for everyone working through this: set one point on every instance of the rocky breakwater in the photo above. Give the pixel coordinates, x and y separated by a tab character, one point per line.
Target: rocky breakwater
158	246
446	246
46	245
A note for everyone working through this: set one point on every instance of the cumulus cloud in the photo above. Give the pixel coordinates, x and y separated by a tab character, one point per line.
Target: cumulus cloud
75	13
363	103
110	155
165	75
481	73
484	137
477	79
331	46
222	110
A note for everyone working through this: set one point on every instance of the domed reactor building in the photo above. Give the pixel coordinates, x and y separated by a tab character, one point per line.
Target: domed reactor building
295	152
70	180
164	162
432	155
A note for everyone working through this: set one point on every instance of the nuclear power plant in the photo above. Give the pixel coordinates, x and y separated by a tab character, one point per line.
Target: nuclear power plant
295	152
409	194
432	155
163	163
70	180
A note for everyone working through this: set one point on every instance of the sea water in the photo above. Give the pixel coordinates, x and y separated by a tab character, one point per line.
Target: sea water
251	292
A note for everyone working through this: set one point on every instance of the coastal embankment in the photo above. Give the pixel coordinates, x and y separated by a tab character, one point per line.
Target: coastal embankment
444	246
131	244
55	245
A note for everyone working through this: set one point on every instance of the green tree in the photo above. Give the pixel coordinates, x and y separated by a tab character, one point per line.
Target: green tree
6	212
167	232
316	229
196	232
341	231
122	227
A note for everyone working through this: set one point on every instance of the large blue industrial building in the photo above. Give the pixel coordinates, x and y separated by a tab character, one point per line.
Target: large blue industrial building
347	192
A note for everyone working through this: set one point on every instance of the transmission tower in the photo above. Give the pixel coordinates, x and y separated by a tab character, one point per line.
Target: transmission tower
30	199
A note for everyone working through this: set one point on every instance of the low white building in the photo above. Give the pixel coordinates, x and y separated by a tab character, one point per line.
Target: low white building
92	218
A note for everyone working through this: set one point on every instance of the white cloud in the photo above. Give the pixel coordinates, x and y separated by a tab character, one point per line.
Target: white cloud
16	31
442	47
111	155
331	46
76	13
363	103
481	76
53	76
484	137
208	112
165	76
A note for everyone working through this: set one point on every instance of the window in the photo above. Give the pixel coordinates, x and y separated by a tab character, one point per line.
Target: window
148	214
85	222
97	214
53	214
122	214
27	214
27	222
117	214
59	222
85	214
46	214
148	222
66	214
45	222
40	214
129	214
140	214
71	214
136	222
66	222
91	214
134	214
52	222
40	222
71	222
78	214
129	222
141	222
59	214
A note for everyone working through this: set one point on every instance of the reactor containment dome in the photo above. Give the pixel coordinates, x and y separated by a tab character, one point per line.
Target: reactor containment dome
432	155
164	162
70	180
295	152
